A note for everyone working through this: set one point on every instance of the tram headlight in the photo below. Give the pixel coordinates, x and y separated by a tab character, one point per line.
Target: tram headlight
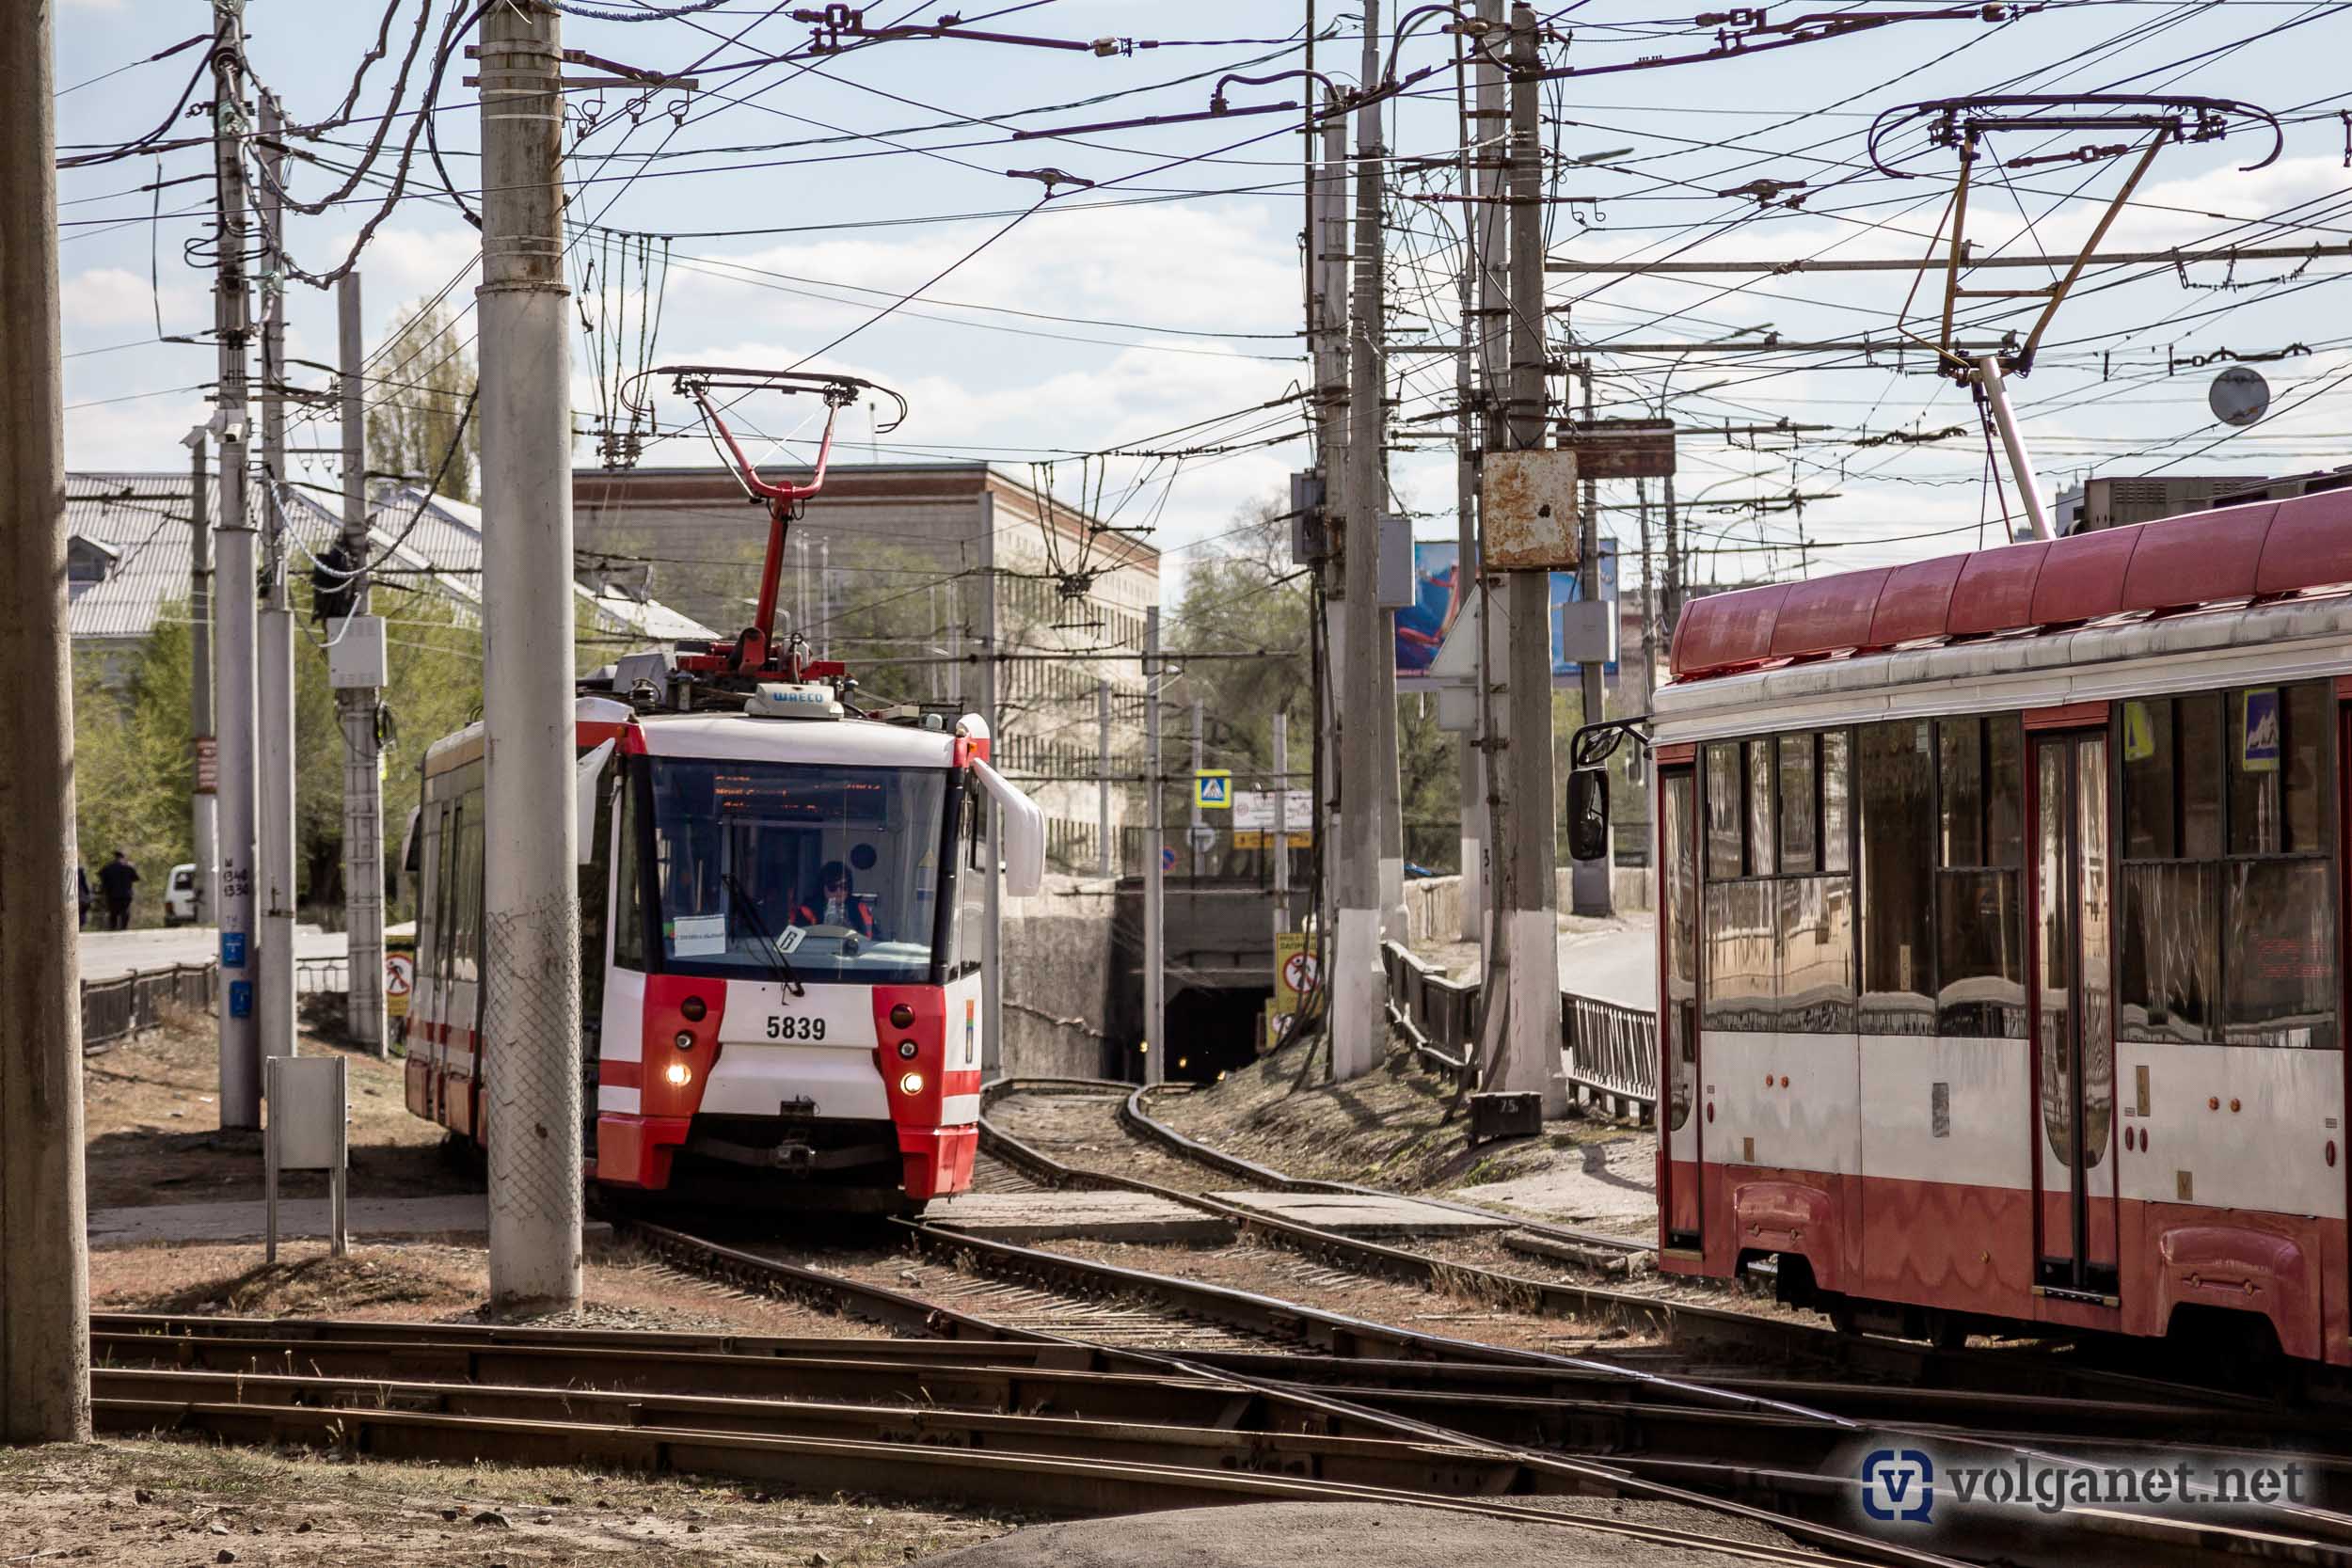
677	1075
906	1049
911	1083
685	1040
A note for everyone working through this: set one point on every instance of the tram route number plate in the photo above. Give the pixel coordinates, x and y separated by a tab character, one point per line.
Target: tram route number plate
795	1026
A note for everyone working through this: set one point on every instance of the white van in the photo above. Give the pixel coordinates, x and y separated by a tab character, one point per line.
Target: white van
180	895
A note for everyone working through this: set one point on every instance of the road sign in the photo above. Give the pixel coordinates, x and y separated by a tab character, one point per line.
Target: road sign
1254	808
1212	786
1295	975
1204	840
1168	857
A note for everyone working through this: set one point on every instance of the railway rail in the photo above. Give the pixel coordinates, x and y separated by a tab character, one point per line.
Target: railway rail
1695	1330
992	1421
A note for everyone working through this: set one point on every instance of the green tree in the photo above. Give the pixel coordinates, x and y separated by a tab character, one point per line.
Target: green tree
423	381
135	769
1248	597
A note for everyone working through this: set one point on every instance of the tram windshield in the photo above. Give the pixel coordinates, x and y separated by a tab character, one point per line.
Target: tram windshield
770	870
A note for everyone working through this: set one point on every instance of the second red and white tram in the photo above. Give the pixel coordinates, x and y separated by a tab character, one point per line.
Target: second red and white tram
783	903
2002	957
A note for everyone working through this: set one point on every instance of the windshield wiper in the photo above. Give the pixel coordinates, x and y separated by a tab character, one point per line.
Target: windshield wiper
778	963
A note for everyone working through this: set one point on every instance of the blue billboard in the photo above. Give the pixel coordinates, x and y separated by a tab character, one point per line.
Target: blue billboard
1438	586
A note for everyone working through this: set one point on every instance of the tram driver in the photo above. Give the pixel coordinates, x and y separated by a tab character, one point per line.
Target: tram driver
837	903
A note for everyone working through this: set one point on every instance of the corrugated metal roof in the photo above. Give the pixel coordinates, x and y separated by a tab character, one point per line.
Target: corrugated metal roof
418	539
144	518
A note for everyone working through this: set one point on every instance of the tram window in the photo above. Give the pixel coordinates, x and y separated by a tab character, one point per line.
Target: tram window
1893	775
2168	955
2149	767
1816	932
1959	743
2257	752
1723	837
628	935
1798	800
1837	813
1979	963
1742	963
1759	808
2004	790
2199	780
2282	974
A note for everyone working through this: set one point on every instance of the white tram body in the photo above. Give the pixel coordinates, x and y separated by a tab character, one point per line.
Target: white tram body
746	1036
2001	944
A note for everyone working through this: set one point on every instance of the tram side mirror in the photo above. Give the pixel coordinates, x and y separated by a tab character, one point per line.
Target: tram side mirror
1588	813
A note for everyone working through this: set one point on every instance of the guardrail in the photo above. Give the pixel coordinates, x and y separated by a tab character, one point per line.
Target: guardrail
117	1009
1611	1051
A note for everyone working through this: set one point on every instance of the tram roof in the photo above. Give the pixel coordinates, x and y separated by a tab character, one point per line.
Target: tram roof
2254	552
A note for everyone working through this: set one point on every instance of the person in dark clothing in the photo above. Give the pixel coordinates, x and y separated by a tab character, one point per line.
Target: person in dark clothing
81	890
836	904
115	880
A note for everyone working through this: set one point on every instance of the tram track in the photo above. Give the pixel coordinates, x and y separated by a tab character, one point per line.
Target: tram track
1098	1429
1700	1336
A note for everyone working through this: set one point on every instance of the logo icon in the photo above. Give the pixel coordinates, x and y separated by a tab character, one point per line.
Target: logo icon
1898	1483
970	1050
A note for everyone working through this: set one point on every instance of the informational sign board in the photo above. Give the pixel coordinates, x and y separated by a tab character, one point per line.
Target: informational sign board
1254	808
2257	732
1296	974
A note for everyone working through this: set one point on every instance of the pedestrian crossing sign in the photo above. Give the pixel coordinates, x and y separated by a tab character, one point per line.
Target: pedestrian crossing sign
1212	786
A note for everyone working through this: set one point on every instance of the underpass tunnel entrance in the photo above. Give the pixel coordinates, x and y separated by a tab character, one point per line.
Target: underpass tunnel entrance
1211	1030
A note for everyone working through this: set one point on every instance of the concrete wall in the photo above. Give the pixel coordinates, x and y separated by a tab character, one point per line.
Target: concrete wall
1433	905
1058	973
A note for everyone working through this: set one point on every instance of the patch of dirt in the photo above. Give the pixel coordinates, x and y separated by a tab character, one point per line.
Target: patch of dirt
430	1281
1398	1127
151	1106
153	1504
1346	1534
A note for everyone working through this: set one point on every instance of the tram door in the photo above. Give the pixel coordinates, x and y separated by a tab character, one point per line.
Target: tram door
2075	1021
1678	1037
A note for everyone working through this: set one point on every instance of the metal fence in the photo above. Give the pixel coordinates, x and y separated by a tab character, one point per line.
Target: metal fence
119	1008
1610	1051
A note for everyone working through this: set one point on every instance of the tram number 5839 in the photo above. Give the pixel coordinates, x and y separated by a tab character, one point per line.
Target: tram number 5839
791	1027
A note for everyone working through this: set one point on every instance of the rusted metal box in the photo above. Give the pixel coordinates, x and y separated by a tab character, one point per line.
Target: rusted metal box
1620	449
1527	510
1505	1116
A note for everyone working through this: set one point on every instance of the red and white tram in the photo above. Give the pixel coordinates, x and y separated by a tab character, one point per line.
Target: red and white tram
783	903
2002	960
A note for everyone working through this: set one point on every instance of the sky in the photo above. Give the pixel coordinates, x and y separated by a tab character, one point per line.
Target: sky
1106	330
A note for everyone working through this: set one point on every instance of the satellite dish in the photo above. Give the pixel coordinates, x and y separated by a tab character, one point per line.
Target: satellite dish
2238	396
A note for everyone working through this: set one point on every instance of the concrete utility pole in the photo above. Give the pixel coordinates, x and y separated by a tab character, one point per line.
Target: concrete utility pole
1328	260
1193	821
993	917
530	897
1481	285
1107	863
234	656
1281	822
1359	985
1589	892
275	848
1649	598
1154	874
1493	338
206	804
1531	1054
355	706
44	1256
